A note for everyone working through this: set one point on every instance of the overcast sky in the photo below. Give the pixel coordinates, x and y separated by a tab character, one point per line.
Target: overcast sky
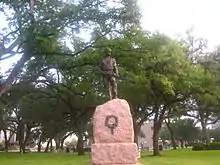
173	17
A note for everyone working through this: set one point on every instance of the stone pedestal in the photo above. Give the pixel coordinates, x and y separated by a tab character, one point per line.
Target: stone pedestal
114	135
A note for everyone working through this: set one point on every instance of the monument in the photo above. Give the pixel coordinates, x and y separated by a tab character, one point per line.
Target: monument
112	123
114	135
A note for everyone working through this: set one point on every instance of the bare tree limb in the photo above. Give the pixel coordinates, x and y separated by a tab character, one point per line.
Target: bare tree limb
11	47
9	81
15	31
9	56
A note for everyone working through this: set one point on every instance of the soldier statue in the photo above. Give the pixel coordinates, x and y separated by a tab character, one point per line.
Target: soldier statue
109	71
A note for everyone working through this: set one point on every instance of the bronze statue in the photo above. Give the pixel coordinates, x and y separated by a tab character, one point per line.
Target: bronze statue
109	71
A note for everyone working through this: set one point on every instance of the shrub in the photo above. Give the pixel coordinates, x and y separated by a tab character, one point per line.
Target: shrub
210	146
2	146
199	147
213	146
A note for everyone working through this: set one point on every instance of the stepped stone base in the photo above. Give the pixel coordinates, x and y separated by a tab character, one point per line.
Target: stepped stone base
114	153
138	163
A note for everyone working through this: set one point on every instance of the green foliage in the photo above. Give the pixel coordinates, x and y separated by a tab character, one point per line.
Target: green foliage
199	147
210	146
2	146
184	129
215	133
213	146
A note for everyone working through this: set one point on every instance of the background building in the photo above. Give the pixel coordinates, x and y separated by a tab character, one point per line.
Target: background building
146	141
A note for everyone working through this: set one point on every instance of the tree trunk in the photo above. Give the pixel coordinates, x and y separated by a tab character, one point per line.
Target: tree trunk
171	134
6	140
25	133
39	146
136	139
80	135
155	140
205	135
173	141
21	137
79	146
181	143
57	142
23	146
48	144
158	120
62	143
137	129
51	145
39	143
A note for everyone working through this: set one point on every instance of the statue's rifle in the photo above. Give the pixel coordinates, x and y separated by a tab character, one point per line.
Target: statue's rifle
114	75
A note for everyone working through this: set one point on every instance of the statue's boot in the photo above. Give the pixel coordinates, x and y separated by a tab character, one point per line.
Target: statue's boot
114	95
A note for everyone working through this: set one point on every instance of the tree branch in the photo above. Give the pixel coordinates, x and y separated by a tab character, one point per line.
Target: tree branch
80	51
15	31
15	71
146	117
11	47
9	56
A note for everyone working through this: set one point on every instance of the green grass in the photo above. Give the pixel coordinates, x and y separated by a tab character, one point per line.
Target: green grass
178	157
184	157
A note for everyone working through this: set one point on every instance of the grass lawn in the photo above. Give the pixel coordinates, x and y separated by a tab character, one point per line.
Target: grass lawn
179	157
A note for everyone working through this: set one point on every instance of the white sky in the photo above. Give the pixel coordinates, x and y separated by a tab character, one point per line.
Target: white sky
173	17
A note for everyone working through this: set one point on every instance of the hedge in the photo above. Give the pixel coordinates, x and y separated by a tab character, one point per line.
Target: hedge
210	146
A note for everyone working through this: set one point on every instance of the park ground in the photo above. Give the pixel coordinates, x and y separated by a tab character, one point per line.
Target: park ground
178	157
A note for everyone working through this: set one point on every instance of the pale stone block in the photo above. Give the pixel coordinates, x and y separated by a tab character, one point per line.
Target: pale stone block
123	132
114	153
